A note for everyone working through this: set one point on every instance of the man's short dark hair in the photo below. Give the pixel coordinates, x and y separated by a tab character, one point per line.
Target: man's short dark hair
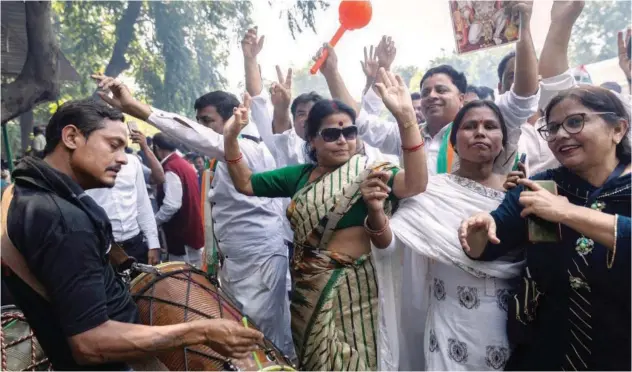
223	102
485	92
86	114
164	142
415	96
473	89
502	66
304	98
457	78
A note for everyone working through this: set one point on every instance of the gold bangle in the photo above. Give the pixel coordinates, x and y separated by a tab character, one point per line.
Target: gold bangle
611	254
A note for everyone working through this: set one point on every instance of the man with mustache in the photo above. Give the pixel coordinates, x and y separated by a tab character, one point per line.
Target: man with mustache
442	92
129	209
55	253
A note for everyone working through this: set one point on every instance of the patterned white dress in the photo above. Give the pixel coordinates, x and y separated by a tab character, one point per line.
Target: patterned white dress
451	307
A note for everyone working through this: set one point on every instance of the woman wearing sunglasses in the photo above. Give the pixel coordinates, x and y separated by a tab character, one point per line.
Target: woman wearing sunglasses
572	307
334	300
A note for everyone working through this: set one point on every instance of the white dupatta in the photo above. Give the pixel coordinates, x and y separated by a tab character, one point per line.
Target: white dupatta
425	228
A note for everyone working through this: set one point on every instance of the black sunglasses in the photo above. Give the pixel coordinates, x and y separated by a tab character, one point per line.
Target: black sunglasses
333	134
572	124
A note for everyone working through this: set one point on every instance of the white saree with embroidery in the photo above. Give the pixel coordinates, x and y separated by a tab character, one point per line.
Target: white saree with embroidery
440	310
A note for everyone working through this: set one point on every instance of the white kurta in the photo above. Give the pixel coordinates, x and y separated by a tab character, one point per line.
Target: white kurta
435	299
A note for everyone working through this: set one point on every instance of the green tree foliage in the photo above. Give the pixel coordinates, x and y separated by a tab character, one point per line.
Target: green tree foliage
594	36
174	51
406	72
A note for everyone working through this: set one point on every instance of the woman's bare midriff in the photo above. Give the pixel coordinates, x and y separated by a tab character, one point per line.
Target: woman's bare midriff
352	241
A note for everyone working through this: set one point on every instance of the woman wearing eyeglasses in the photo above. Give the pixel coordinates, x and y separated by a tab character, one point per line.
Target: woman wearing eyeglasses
572	307
334	300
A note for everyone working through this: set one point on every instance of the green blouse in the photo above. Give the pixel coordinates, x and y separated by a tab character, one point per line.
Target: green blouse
285	182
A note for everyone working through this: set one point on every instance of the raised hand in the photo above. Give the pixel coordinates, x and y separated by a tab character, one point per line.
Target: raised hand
239	120
231	339
330	65
525	9
138	138
396	97
121	96
375	190
281	92
370	64
624	60
386	52
250	44
477	230
566	11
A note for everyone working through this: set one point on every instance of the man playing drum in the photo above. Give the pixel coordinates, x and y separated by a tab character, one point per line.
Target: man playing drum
81	313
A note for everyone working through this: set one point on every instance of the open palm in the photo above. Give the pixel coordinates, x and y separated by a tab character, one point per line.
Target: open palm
396	96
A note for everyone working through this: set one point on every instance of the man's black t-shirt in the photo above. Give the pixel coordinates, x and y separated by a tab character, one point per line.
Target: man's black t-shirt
64	247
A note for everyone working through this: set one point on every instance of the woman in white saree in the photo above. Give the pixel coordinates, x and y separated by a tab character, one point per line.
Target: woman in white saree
432	296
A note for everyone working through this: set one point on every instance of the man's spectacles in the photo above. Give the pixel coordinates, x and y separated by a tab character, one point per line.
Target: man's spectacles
572	124
333	134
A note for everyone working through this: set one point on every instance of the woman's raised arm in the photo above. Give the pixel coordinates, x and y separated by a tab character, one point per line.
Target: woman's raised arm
397	99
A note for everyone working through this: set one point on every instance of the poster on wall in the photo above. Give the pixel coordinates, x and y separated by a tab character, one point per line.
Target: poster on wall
482	25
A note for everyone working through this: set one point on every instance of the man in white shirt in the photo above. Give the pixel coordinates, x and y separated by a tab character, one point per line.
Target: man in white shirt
39	142
249	230
442	90
129	210
284	135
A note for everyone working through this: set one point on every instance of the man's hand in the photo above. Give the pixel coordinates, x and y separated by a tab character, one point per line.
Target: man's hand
386	52
251	45
281	92
239	120
139	138
370	64
121	96
624	61
153	256
566	11
231	339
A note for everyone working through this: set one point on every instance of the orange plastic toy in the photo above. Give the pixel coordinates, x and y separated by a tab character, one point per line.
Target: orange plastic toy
353	14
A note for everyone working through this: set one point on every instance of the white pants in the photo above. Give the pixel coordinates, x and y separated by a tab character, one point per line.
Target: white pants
192	256
264	298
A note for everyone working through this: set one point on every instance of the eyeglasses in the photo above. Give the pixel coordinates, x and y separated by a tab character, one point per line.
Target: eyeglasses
333	134
572	124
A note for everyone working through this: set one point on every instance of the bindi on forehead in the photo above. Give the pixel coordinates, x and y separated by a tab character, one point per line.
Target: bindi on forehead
341	124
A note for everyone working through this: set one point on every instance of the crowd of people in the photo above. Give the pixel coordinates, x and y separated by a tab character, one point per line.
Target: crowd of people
430	240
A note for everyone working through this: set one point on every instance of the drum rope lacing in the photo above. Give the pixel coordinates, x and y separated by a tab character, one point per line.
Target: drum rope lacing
12	317
227	363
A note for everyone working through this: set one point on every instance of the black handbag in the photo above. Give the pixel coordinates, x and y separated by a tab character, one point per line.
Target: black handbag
522	310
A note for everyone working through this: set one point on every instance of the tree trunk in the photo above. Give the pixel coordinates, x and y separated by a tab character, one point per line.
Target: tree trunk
26	128
38	81
124	34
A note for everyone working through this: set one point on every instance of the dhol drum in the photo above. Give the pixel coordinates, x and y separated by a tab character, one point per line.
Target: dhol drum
176	293
20	349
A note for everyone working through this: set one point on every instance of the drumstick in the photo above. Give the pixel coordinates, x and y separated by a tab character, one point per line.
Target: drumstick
254	353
